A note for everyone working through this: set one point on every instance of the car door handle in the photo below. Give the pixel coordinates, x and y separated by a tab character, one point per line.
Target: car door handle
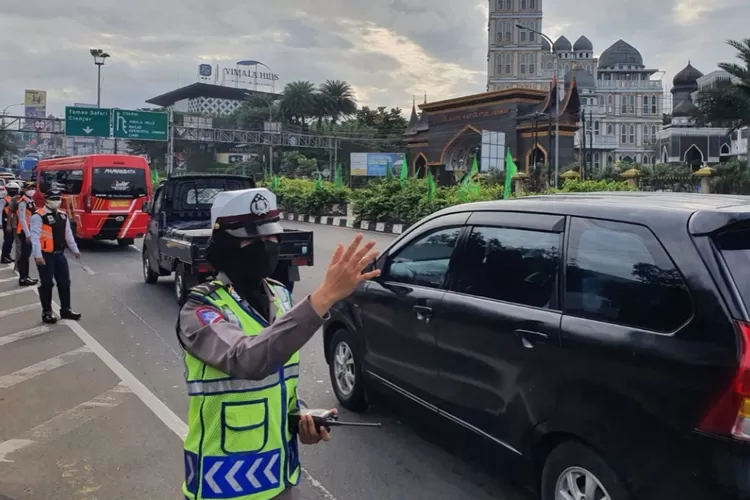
423	313
529	337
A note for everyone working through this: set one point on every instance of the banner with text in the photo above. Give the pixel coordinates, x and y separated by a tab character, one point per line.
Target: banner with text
375	164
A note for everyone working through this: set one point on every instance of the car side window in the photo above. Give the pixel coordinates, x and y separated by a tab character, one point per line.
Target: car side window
619	273
512	265
424	261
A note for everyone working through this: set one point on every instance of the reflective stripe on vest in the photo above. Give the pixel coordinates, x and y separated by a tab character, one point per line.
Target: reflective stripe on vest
238	444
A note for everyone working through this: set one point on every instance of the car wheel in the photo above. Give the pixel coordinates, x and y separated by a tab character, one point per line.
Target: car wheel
180	286
149	276
345	368
574	471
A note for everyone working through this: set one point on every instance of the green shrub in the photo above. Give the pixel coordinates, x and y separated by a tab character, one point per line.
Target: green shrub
301	196
579	186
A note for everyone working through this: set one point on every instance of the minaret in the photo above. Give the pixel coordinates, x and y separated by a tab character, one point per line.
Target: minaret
514	54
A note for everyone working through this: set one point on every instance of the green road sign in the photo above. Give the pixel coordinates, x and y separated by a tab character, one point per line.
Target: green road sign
87	122
143	125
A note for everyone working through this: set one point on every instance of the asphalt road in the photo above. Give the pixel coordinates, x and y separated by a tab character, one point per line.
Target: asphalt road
135	323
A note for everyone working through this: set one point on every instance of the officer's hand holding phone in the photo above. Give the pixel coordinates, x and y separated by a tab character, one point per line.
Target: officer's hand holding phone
344	274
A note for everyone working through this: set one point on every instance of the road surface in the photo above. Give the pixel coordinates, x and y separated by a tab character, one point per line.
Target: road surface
129	445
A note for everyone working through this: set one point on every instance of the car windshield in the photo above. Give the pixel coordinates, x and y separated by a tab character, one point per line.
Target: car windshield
119	182
735	248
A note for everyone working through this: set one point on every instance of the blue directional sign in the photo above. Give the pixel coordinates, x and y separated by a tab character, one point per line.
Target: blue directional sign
240	475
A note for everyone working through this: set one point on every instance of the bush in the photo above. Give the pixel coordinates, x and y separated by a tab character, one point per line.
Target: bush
302	197
579	186
733	177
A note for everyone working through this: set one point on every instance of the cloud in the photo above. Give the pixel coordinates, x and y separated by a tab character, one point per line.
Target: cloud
388	50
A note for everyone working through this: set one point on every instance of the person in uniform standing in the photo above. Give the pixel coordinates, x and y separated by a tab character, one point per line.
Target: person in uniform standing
50	236
241	336
9	233
26	209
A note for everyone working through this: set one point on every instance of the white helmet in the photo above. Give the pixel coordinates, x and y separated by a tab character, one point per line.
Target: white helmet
13	185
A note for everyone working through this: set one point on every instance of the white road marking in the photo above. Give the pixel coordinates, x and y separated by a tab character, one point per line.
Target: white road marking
26	334
19	309
8	280
65	422
135	248
161	410
42	367
16	291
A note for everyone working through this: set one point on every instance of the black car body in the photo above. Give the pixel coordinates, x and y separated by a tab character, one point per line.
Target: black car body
600	335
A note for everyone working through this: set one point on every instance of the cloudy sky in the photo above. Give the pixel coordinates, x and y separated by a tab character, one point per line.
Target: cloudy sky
388	50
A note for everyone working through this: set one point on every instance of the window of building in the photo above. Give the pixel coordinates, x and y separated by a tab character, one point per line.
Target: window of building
525	261
508	4
522	35
508	29
532	26
632	134
522	62
619	273
597	127
532	4
524	4
631	109
645	104
597	160
588	158
424	262
508	64
610	129
610	160
623	104
623	134
532	63
653	134
646	135
653	105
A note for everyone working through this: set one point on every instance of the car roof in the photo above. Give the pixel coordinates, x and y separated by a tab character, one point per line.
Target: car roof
632	206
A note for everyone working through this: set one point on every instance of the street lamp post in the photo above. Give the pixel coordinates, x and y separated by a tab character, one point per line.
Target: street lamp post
99	58
557	99
5	111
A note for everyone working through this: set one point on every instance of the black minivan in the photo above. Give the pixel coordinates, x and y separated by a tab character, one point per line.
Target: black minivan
600	340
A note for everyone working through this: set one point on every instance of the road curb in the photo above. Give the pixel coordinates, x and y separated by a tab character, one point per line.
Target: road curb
378	227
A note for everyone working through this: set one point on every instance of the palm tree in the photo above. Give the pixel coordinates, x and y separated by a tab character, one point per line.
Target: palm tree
336	100
729	105
298	102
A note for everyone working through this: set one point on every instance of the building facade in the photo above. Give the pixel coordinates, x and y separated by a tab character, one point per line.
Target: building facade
681	140
622	101
514	54
208	99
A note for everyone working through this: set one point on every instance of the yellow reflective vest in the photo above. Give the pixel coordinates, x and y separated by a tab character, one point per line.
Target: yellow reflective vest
238	445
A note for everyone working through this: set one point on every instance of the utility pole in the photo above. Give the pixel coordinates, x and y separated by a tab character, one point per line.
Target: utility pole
170	144
100	57
582	148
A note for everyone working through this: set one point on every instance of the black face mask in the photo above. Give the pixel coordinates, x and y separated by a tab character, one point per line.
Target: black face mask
259	258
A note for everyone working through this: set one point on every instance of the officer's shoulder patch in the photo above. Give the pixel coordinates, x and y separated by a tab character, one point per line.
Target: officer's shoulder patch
274	282
206	288
208	315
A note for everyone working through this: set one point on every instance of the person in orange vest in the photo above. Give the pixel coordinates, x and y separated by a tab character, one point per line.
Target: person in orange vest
9	235
50	236
26	209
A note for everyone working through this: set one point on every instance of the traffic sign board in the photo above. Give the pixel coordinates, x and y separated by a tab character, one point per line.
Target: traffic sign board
87	122
40	125
142	125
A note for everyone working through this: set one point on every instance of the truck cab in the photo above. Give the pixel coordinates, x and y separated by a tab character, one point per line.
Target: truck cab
179	231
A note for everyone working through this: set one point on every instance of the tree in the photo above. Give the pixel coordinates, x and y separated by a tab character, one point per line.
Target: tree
8	143
336	99
729	105
299	102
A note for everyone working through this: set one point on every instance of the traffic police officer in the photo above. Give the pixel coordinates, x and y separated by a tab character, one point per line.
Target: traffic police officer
50	236
26	209
241	337
9	233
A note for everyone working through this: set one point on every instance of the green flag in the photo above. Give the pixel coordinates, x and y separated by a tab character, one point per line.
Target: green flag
431	186
155	178
339	175
404	171
318	181
388	170
510	171
470	183
275	183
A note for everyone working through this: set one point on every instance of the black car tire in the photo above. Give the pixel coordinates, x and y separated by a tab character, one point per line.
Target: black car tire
354	400
149	276
578	457
181	285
